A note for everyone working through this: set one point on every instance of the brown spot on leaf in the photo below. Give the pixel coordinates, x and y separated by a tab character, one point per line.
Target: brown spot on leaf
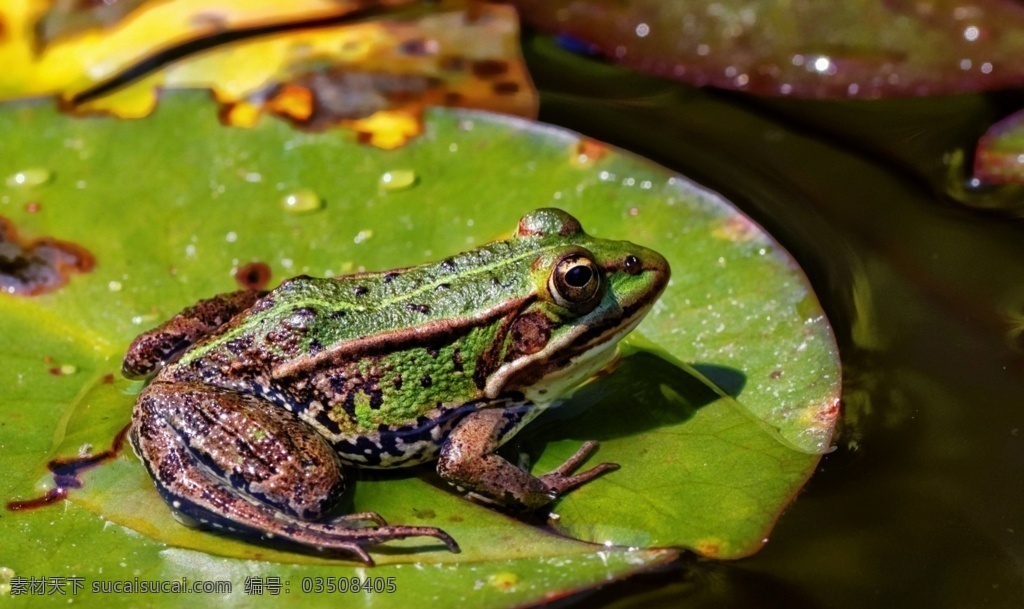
319	99
489	68
506	88
28	268
587	151
65	474
416	47
452	63
253	276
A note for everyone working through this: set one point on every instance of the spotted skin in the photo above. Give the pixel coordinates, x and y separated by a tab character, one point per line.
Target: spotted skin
258	401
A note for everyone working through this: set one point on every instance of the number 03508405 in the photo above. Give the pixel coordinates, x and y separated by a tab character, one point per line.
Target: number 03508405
334	585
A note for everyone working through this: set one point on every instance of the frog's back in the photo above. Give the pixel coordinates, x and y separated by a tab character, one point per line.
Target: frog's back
376	357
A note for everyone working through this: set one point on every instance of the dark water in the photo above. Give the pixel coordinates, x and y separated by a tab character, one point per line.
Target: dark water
922	505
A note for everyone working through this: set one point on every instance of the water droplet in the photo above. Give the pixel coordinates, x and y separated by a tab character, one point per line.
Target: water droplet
231	237
642	30
823	65
67	369
504	581
114	286
399	179
363	235
301	201
971	33
33	176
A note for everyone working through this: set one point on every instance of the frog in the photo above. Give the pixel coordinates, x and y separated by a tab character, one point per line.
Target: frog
260	404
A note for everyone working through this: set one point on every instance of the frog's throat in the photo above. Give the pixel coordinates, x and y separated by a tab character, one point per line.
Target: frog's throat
564	374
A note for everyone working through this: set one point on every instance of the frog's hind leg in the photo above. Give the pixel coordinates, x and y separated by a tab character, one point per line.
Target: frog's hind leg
231	462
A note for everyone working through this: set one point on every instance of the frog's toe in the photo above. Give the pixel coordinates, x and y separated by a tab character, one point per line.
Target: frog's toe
353	548
561	480
331	537
560	484
373	518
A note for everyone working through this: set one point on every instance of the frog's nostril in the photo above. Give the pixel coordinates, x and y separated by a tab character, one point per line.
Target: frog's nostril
632	265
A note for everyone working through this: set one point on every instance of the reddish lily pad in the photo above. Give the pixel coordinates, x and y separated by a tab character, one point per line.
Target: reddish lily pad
864	49
1000	155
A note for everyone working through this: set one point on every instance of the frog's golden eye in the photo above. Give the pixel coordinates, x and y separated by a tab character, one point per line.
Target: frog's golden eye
575	282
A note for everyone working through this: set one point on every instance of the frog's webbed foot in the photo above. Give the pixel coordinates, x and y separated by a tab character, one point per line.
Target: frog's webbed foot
468	461
230	462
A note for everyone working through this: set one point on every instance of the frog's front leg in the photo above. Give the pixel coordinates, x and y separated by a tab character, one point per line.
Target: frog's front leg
468	461
233	462
163	344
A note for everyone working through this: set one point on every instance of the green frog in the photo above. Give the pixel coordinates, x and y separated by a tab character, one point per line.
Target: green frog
259	401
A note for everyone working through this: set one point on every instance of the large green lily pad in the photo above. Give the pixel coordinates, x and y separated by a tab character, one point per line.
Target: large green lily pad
718	415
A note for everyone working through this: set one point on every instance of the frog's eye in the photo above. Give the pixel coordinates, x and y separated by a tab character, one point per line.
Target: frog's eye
575	282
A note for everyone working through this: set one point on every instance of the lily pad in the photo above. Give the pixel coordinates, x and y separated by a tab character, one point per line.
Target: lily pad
318	64
718	414
1000	155
864	49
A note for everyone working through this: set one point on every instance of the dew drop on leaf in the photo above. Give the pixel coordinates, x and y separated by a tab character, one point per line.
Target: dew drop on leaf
399	179
503	581
301	201
33	176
